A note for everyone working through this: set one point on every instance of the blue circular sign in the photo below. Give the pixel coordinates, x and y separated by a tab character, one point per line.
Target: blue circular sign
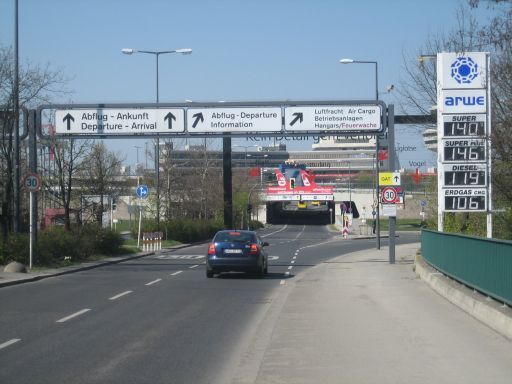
142	191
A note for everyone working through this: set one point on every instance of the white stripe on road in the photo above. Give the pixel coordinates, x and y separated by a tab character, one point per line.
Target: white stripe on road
153	282
194	266
290	267
287	274
273	233
120	295
293	261
283	282
176	273
10	342
81	312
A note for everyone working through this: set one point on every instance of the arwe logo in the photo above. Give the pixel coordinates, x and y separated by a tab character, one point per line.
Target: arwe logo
453	101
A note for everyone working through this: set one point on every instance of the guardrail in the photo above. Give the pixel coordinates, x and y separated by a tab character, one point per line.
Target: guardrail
481	263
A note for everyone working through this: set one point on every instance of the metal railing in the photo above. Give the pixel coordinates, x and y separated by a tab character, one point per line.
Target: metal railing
480	263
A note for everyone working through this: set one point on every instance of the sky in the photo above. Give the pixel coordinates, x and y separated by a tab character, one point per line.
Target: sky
264	50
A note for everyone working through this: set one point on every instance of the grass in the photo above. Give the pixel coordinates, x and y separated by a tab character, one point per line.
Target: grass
401	224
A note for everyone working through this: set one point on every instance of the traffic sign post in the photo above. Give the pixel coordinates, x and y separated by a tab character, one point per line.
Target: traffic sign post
142	192
32	183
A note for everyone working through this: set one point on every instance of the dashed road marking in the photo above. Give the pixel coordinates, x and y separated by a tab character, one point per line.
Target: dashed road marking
194	266
120	295
153	282
293	261
10	342
179	257
176	273
81	312
287	274
290	267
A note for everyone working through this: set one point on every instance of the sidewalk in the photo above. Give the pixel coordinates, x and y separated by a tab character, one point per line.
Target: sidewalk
358	319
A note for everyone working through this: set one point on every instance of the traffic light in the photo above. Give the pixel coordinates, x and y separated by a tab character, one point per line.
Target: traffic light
292	183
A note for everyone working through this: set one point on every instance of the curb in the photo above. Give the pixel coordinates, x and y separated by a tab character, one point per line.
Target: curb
80	268
485	310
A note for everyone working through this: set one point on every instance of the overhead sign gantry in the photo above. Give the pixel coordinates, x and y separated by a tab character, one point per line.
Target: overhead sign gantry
216	119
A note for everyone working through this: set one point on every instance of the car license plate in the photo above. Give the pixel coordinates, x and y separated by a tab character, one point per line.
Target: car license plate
232	251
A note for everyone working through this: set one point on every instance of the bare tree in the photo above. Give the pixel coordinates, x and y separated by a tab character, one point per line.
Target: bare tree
100	176
69	156
37	85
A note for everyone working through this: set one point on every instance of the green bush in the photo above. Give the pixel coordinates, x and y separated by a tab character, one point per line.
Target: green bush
15	248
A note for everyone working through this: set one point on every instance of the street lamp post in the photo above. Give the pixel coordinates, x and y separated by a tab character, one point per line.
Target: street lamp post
183	51
376	199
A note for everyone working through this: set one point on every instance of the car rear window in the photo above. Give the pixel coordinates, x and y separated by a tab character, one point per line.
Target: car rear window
240	237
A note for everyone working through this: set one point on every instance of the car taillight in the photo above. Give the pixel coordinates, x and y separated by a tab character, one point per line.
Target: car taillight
254	249
211	249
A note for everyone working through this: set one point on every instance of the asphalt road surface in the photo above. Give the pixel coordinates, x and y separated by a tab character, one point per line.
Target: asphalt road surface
157	319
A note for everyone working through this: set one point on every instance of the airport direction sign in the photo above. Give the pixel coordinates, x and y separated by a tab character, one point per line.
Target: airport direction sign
234	119
112	122
389	178
349	118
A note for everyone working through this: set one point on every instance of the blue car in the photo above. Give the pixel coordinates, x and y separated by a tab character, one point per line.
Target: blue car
240	251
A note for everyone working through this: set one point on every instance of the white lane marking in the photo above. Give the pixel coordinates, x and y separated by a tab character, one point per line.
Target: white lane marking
273	233
176	273
296	253
287	273
293	261
153	282
120	295
294	257
10	342
290	267
179	257
283	282
194	266
300	233
81	312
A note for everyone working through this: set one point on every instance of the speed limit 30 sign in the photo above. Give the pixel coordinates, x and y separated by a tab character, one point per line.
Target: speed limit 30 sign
32	182
389	195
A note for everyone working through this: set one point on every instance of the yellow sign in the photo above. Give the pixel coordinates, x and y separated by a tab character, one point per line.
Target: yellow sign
389	178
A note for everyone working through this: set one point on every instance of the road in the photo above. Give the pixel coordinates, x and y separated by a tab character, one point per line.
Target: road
152	320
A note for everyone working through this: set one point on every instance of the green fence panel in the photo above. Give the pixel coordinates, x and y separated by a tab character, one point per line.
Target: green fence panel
481	263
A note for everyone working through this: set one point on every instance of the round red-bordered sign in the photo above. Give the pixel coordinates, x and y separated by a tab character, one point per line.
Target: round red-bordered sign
32	182
388	195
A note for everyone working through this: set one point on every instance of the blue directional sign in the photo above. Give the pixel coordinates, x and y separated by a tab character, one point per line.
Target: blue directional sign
142	191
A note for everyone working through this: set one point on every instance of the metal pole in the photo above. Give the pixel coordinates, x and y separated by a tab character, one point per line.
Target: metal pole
391	159
377	187
33	195
227	182
157	156
16	175
32	231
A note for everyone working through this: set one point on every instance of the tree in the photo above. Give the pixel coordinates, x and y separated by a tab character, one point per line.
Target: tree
69	156
37	85
100	177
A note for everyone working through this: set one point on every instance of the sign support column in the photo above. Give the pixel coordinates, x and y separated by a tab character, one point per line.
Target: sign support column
391	161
